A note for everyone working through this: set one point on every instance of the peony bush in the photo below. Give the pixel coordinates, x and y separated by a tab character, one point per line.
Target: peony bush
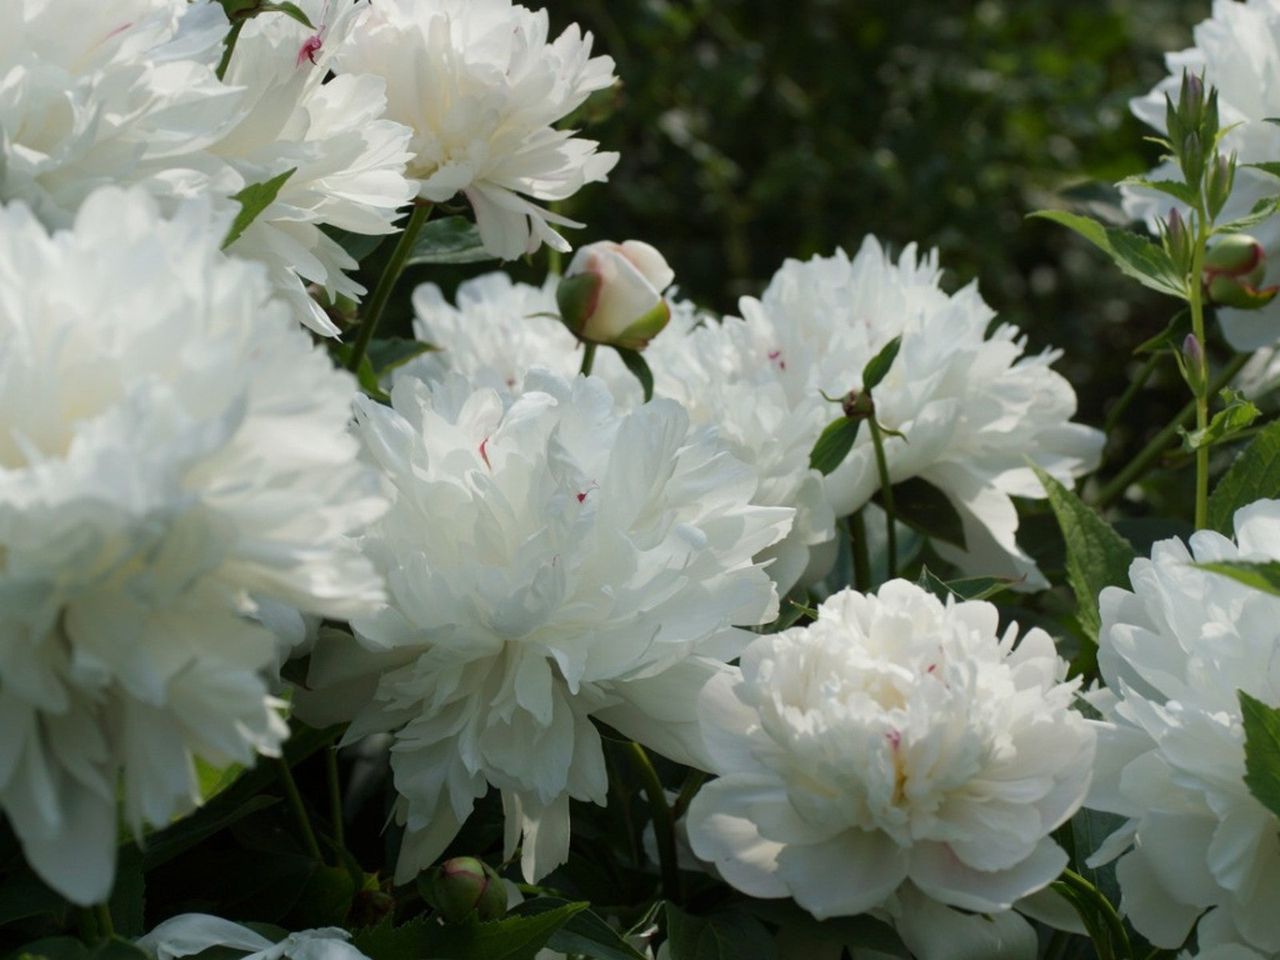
553	615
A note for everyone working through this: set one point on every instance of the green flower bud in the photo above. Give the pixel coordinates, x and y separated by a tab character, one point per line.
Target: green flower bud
1177	240
1191	105
464	887
1192	365
1192	158
612	294
1234	269
1221	180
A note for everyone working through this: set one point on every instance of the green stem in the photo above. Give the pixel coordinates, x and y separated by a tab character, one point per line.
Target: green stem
232	36
386	283
1143	462
886	494
664	830
1131	392
87	924
102	914
1202	395
588	358
692	784
299	811
861	555
1115	926
334	779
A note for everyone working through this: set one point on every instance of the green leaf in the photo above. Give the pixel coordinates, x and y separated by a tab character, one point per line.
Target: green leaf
586	934
389	353
926	509
732	935
213	780
1171	337
833	446
1264	576
639	368
1097	556
54	948
1237	416
1262	210
1255	475
512	938
253	199
1261	751
1174	188
449	240
1271	168
24	895
968	588
117	948
288	9
878	367
1136	256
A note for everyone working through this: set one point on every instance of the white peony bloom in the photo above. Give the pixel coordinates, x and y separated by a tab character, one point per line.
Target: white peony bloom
715	372
974	410
896	740
1224	952
549	561
498	332
1174	653
348	159
95	94
192	933
1236	50
481	85
172	450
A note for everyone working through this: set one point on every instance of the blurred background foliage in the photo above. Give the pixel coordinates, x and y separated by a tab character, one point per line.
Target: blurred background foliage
756	130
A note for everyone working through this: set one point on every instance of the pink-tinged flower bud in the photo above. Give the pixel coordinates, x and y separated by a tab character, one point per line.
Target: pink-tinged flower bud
1191	105
1219	183
1193	367
612	294
463	887
1233	272
1177	240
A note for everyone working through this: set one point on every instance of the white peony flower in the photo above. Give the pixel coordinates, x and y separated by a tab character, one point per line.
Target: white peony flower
972	408
348	159
498	332
713	370
894	741
548	562
172	449
192	933
481	85
95	94
1236	50
1174	653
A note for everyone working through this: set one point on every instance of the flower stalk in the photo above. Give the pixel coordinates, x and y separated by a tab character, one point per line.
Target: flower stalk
886	492
299	810
664	830
1202	375
387	282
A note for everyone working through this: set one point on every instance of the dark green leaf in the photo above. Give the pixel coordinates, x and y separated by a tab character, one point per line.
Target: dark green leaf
969	588
733	935
1097	556
878	367
833	446
584	935
639	368
1262	210
253	199
449	240
1136	256
1264	576
1254	476
54	948
117	948
1238	414
1271	168
1174	188
1171	337
289	9
1261	751
512	938
387	354
926	509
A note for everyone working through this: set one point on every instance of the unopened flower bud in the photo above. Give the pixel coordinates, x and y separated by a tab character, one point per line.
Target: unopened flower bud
612	294
465	886
1234	269
1177	240
1193	363
1221	180
1191	103
1192	158
858	406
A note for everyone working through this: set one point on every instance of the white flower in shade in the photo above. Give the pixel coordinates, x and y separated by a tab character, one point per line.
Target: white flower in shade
117	93
722	374
175	465
1174	652
1227	951
348	159
548	562
192	933
972	408
498	332
1236	50
481	84
894	741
